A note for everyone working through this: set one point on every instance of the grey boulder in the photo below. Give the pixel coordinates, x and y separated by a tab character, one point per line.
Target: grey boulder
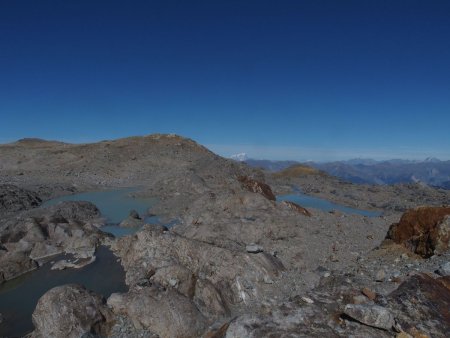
70	311
167	314
372	315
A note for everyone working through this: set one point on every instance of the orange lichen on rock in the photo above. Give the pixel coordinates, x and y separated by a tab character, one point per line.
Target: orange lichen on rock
257	187
423	230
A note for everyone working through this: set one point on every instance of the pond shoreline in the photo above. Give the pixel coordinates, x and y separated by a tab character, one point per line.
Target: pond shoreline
19	296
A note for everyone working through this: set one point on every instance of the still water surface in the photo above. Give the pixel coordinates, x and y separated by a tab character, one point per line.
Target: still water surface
323	204
18	297
115	204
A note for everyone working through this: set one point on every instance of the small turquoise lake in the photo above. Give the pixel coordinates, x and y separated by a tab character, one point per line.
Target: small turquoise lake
115	204
325	205
18	297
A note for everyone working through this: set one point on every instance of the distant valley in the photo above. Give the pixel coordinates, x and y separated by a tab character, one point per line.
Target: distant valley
430	171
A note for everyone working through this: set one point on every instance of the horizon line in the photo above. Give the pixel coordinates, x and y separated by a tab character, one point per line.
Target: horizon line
285	153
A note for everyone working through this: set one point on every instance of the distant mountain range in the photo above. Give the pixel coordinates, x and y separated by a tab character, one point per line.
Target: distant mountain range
431	171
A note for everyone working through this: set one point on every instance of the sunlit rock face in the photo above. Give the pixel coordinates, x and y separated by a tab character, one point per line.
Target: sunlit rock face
423	230
257	187
171	260
166	313
296	207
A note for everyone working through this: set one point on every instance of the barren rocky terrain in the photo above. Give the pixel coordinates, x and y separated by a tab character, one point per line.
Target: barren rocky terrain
389	198
238	263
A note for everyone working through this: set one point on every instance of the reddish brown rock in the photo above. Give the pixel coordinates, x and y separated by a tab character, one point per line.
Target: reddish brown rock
419	299
369	293
445	281
423	230
414	333
256	186
296	207
217	333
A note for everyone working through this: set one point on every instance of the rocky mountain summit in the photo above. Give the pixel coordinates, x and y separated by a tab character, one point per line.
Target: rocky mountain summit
238	263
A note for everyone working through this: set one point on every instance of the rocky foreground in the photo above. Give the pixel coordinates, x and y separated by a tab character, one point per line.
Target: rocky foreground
238	263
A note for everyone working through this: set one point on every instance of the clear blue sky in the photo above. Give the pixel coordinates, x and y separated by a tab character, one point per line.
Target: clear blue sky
277	79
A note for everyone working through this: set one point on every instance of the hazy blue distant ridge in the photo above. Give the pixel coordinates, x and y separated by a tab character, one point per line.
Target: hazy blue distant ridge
431	171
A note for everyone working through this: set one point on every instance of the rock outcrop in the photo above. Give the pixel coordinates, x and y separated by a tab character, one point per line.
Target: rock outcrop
422	303
13	264
166	313
173	260
257	187
71	311
13	199
423	230
132	221
296	207
39	234
371	315
70	210
419	307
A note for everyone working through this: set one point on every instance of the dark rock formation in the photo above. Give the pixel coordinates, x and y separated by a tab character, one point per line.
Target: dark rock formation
422	303
423	230
13	264
79	210
257	187
132	221
134	214
13	198
70	311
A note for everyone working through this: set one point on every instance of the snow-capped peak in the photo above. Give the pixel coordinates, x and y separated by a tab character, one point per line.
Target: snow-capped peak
241	157
432	160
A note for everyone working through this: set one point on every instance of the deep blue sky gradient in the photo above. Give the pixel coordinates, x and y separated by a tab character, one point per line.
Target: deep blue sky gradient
278	79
